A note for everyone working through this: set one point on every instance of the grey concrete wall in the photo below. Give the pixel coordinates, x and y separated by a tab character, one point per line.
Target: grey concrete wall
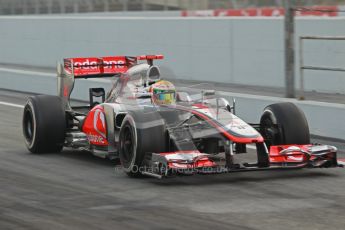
322	53
233	50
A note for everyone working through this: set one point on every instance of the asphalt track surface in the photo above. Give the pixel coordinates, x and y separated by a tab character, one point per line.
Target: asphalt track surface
75	190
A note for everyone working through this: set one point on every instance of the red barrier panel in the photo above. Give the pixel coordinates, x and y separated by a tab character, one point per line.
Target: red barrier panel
328	11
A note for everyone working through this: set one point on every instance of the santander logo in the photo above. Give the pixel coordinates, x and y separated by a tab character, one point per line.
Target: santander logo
95	126
99	122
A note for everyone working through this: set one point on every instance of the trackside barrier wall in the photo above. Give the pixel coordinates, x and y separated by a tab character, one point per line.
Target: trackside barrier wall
232	50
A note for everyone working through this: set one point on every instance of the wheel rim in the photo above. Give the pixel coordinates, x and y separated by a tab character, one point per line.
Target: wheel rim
270	131
28	126
127	143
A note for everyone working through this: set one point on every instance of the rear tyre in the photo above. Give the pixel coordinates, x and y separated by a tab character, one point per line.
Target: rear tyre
44	124
284	123
140	133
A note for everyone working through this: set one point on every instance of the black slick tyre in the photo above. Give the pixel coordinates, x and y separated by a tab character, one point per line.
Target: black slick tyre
140	134
44	124
283	124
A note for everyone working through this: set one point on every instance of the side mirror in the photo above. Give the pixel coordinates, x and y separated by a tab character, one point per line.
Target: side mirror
225	104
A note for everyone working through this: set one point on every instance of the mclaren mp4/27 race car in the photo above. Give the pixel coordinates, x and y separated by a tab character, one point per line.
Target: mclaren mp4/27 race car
158	130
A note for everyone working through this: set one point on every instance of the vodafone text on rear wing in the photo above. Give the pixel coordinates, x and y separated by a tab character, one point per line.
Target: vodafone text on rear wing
91	67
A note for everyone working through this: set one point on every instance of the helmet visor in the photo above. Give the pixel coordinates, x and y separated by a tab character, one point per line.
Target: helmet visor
164	97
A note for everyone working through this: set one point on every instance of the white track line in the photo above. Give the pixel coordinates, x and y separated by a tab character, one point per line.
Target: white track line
27	72
46	74
11	104
272	99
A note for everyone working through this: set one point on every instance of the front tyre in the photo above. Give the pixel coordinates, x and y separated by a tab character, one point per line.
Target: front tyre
44	124
283	124
140	133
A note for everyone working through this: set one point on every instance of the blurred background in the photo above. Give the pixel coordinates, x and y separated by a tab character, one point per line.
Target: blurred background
8	7
244	51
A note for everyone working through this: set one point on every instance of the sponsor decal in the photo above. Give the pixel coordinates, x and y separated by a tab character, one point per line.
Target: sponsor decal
95	126
295	158
99	122
94	64
95	138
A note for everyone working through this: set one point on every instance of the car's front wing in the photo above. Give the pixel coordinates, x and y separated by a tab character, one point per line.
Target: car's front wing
280	157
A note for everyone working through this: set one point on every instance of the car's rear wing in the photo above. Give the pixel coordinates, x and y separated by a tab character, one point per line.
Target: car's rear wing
94	67
90	67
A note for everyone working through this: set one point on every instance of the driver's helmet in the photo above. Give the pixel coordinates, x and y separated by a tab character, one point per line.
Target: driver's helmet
163	93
